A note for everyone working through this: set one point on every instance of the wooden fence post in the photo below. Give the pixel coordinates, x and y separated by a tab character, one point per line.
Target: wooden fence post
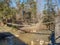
32	42
41	42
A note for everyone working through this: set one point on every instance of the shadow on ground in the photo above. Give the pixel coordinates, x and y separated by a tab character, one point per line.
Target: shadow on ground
16	41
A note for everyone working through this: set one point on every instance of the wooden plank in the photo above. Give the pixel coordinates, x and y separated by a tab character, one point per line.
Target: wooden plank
17	24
